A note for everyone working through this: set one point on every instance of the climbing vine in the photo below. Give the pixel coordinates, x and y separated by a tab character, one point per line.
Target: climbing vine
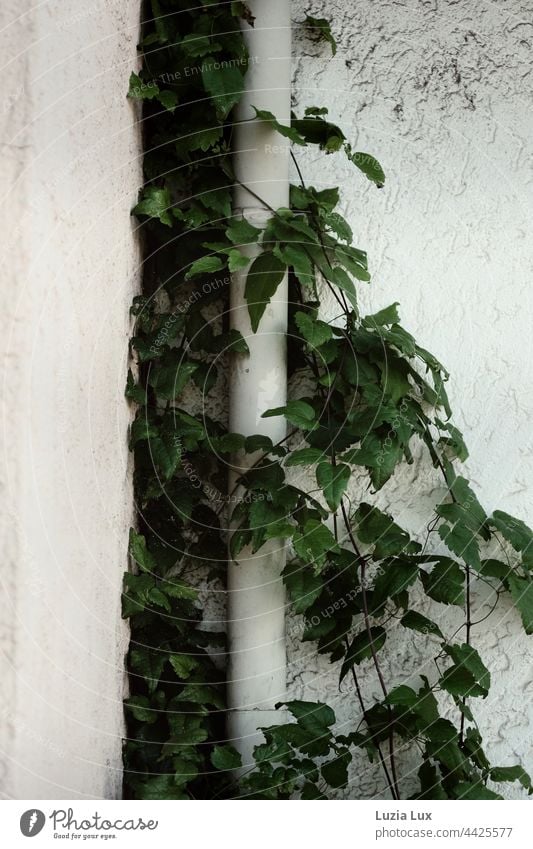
367	397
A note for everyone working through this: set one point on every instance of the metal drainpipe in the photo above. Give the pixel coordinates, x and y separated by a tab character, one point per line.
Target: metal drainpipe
256	598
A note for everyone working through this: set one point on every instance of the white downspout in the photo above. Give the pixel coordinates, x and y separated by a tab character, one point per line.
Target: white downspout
256	599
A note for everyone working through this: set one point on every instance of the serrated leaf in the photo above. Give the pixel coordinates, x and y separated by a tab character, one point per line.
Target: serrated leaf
149	664
224	84
313	716
304	457
465	657
387	316
402	695
333	481
516	532
368	164
445	582
282	129
155	203
139	553
241	232
362	647
313	542
474	790
395	576
522	595
512	773
141	710
417	622
304	586
169	381
378	529
314	331
335	772
298	413
225	758
140	90
263	278
204	265
183	664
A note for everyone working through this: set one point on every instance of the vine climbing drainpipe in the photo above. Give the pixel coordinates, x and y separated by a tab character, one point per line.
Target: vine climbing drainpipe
256	599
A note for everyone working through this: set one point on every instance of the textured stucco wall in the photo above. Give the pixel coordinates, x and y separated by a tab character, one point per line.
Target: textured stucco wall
69	171
440	92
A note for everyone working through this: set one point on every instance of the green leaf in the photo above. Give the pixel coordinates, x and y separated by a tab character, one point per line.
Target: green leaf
133	391
158	787
155	203
313	542
226	758
298	413
304	456
394	578
321	28
224	84
522	595
466	656
474	790
179	590
140	90
388	315
333	481
282	129
240	9
149	664
314	331
304	586
516	532
157	597
183	664
445	582
241	232
417	622
361	648
376	528
459	538
204	265
169	99
313	716
341	279
141	710
170	381
512	773
335	772
367	164
139	553
262	281
403	696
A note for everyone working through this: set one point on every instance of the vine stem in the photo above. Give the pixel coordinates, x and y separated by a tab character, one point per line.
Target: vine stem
468	600
366	617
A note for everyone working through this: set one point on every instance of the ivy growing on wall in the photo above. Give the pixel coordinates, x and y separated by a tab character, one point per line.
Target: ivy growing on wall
373	397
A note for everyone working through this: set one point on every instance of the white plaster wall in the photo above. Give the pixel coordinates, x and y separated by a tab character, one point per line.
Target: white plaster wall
441	93
69	170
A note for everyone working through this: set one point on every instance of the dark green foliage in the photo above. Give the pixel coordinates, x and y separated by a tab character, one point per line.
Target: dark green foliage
374	397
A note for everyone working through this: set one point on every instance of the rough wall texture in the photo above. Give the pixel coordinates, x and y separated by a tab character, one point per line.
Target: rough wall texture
440	93
69	171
